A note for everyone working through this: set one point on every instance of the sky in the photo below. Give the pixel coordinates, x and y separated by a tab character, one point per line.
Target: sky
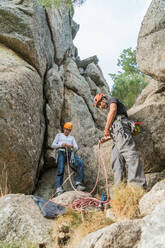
106	28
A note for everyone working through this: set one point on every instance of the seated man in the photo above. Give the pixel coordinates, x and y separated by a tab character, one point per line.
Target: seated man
62	142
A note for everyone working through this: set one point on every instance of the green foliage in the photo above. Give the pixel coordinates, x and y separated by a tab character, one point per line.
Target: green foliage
59	3
129	82
18	245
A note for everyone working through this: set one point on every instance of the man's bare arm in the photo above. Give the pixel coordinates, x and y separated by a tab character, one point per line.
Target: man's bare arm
110	118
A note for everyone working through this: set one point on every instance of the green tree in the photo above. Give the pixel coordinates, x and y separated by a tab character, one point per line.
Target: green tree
129	82
59	3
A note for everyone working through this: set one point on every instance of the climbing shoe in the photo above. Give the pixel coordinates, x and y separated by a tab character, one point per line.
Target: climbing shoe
59	191
80	187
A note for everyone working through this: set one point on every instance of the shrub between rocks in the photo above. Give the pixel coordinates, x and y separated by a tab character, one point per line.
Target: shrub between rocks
25	244
125	204
71	227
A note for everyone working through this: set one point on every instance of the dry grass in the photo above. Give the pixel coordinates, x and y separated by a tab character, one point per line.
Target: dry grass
93	222
70	218
80	226
125	202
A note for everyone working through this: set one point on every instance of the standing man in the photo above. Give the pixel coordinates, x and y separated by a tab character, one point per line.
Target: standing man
62	142
118	127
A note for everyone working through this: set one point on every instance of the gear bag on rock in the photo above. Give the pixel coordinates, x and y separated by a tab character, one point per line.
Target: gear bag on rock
48	208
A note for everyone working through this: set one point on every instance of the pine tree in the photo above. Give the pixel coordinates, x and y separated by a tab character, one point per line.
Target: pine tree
130	81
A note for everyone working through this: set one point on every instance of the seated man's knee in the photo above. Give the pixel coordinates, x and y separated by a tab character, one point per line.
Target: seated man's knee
79	162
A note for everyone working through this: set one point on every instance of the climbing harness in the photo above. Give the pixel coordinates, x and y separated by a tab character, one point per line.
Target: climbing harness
72	158
124	126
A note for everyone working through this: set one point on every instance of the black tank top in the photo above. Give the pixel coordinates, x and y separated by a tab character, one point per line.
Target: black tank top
121	109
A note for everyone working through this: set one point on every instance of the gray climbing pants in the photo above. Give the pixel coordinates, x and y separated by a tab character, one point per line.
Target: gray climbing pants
124	152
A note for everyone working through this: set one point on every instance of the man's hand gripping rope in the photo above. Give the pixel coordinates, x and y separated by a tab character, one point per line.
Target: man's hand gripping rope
104	139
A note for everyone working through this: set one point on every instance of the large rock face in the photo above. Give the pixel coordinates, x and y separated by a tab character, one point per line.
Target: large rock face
54	92
21	123
151	48
24	29
150	106
21	220
150	109
150	200
153	228
123	234
61	29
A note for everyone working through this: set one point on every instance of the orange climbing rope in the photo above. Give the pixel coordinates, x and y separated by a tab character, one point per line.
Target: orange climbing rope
80	192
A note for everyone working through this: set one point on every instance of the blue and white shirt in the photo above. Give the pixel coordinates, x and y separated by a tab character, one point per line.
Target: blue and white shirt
61	139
